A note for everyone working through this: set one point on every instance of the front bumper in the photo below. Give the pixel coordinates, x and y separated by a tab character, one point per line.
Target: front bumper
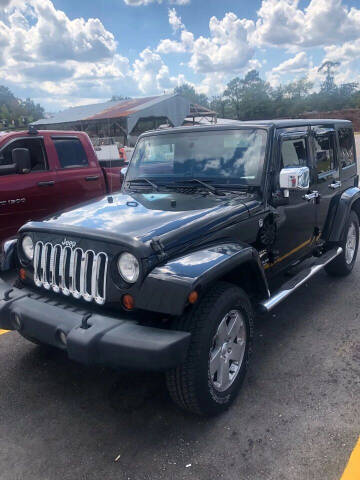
105	340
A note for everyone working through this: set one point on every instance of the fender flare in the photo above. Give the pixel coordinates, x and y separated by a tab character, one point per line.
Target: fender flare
167	287
344	206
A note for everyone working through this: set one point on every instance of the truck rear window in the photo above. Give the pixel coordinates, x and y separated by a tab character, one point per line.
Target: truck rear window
70	152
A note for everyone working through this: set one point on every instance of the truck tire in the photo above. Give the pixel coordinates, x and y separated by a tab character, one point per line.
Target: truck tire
221	325
344	263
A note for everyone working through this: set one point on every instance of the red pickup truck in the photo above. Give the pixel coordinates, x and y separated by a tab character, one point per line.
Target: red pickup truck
42	172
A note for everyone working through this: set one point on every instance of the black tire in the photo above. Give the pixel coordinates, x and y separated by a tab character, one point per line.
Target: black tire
191	385
340	267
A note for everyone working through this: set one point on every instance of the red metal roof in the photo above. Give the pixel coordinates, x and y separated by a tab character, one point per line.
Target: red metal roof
122	109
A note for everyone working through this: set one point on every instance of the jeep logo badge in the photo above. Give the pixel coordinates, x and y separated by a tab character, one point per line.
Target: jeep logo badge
68	243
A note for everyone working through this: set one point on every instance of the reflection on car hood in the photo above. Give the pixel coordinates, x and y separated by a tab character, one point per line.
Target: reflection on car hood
145	216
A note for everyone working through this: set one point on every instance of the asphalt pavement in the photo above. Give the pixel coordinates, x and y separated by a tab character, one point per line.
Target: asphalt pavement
297	417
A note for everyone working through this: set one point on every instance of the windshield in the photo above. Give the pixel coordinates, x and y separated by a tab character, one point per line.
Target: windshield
225	157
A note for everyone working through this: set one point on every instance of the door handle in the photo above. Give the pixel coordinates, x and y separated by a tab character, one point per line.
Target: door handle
335	185
92	178
46	184
311	195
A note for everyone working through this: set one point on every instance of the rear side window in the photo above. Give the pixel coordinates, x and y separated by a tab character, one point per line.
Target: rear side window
324	151
71	153
346	142
293	153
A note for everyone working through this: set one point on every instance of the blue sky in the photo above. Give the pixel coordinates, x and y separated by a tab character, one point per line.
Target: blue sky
66	52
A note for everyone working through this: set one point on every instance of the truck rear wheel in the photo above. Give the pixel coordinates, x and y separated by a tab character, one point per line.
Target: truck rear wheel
344	263
222	328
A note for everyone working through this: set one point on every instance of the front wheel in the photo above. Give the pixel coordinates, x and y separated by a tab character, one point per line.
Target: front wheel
221	325
344	263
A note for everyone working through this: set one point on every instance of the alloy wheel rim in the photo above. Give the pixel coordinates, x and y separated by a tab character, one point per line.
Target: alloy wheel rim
227	350
350	246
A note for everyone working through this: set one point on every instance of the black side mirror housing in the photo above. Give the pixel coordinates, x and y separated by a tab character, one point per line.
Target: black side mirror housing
21	159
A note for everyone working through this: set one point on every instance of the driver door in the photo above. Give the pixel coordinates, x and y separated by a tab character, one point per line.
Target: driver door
28	196
296	219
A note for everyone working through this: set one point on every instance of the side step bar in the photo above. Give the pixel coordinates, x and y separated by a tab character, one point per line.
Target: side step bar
289	287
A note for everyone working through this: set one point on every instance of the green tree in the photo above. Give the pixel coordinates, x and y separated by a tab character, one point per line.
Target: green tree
16	111
234	94
220	105
249	97
189	92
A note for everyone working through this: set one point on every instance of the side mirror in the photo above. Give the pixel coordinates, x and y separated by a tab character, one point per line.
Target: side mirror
295	178
21	158
123	172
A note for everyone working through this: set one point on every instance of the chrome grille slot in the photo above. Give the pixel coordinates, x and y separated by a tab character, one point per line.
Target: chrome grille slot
79	273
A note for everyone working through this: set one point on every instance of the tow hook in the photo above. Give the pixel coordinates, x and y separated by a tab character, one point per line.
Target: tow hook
7	294
84	320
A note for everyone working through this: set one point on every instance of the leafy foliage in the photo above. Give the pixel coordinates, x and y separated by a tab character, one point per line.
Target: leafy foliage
252	98
189	92
15	112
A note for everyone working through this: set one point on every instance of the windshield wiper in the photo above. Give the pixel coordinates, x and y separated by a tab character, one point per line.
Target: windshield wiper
211	188
144	180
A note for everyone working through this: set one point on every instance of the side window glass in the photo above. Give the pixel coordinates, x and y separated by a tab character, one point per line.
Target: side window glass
346	142
324	152
71	153
293	153
37	153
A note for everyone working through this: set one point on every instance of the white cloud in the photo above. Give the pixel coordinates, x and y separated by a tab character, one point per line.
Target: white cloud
344	53
179	2
45	54
323	22
297	64
172	46
38	31
175	20
139	3
151	73
228	48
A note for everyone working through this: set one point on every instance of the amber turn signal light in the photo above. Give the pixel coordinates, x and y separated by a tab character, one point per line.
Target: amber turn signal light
128	302
193	297
22	273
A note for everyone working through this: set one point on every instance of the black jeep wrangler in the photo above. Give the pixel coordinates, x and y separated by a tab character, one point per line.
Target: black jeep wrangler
168	274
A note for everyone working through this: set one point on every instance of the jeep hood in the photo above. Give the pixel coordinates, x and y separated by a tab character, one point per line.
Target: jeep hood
145	216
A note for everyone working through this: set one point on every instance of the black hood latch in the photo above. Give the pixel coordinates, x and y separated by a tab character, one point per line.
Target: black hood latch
158	247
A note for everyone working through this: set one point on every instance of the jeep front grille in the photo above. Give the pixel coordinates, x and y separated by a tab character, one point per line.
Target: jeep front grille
75	272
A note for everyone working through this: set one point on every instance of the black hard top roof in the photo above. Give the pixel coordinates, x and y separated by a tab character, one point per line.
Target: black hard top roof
283	123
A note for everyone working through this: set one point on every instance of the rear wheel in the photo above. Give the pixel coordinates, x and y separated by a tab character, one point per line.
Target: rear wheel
221	325
344	263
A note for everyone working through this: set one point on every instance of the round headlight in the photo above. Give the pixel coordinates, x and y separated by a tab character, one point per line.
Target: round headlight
28	247
128	266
